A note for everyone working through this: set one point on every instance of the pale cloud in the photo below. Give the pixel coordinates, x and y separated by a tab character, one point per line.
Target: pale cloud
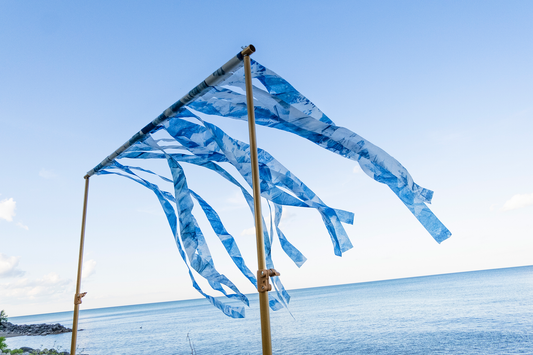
23	289
8	266
237	199
357	169
249	231
235	202
89	268
22	226
518	201
47	174
287	216
7	209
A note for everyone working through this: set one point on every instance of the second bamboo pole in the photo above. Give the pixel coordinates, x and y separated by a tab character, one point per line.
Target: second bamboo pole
78	295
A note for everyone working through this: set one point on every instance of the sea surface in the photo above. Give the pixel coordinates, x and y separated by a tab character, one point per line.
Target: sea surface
479	312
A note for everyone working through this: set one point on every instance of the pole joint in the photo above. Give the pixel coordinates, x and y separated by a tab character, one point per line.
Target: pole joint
248	50
263	279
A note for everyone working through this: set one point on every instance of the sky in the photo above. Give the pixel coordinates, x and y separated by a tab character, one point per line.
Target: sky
445	87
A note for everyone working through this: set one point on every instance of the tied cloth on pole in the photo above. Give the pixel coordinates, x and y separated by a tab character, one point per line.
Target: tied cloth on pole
188	138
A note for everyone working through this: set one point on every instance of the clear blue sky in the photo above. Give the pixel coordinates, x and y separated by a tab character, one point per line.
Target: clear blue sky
446	87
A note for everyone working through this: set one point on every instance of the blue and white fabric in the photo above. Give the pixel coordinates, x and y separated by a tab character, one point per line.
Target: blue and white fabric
194	140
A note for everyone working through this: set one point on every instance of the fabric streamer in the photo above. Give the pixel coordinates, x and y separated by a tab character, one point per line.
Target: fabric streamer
281	106
277	105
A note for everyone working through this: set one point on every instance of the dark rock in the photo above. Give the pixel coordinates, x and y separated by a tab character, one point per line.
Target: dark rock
34	329
26	349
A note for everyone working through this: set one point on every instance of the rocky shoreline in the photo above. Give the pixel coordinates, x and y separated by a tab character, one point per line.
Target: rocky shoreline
10	329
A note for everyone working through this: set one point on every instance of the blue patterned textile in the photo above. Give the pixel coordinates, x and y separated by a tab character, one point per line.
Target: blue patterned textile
280	106
277	105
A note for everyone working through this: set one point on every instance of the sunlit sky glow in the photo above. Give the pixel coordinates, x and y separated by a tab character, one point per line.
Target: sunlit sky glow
445	87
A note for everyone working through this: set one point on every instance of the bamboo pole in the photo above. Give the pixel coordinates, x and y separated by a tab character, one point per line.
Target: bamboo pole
261	260
78	295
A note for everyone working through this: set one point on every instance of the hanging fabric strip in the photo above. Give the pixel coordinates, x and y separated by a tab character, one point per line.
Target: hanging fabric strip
283	107
193	239
212	141
227	239
291	251
143	150
229	310
200	260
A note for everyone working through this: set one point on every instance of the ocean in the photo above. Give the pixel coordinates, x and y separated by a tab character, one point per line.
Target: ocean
478	312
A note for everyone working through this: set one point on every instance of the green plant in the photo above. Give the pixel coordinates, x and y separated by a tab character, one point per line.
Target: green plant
3	344
3	316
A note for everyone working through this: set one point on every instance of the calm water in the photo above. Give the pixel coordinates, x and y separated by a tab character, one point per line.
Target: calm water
481	312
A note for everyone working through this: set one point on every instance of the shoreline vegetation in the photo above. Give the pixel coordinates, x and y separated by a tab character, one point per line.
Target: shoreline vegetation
27	350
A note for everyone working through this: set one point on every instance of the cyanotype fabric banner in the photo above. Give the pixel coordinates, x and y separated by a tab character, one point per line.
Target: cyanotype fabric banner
280	106
194	140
